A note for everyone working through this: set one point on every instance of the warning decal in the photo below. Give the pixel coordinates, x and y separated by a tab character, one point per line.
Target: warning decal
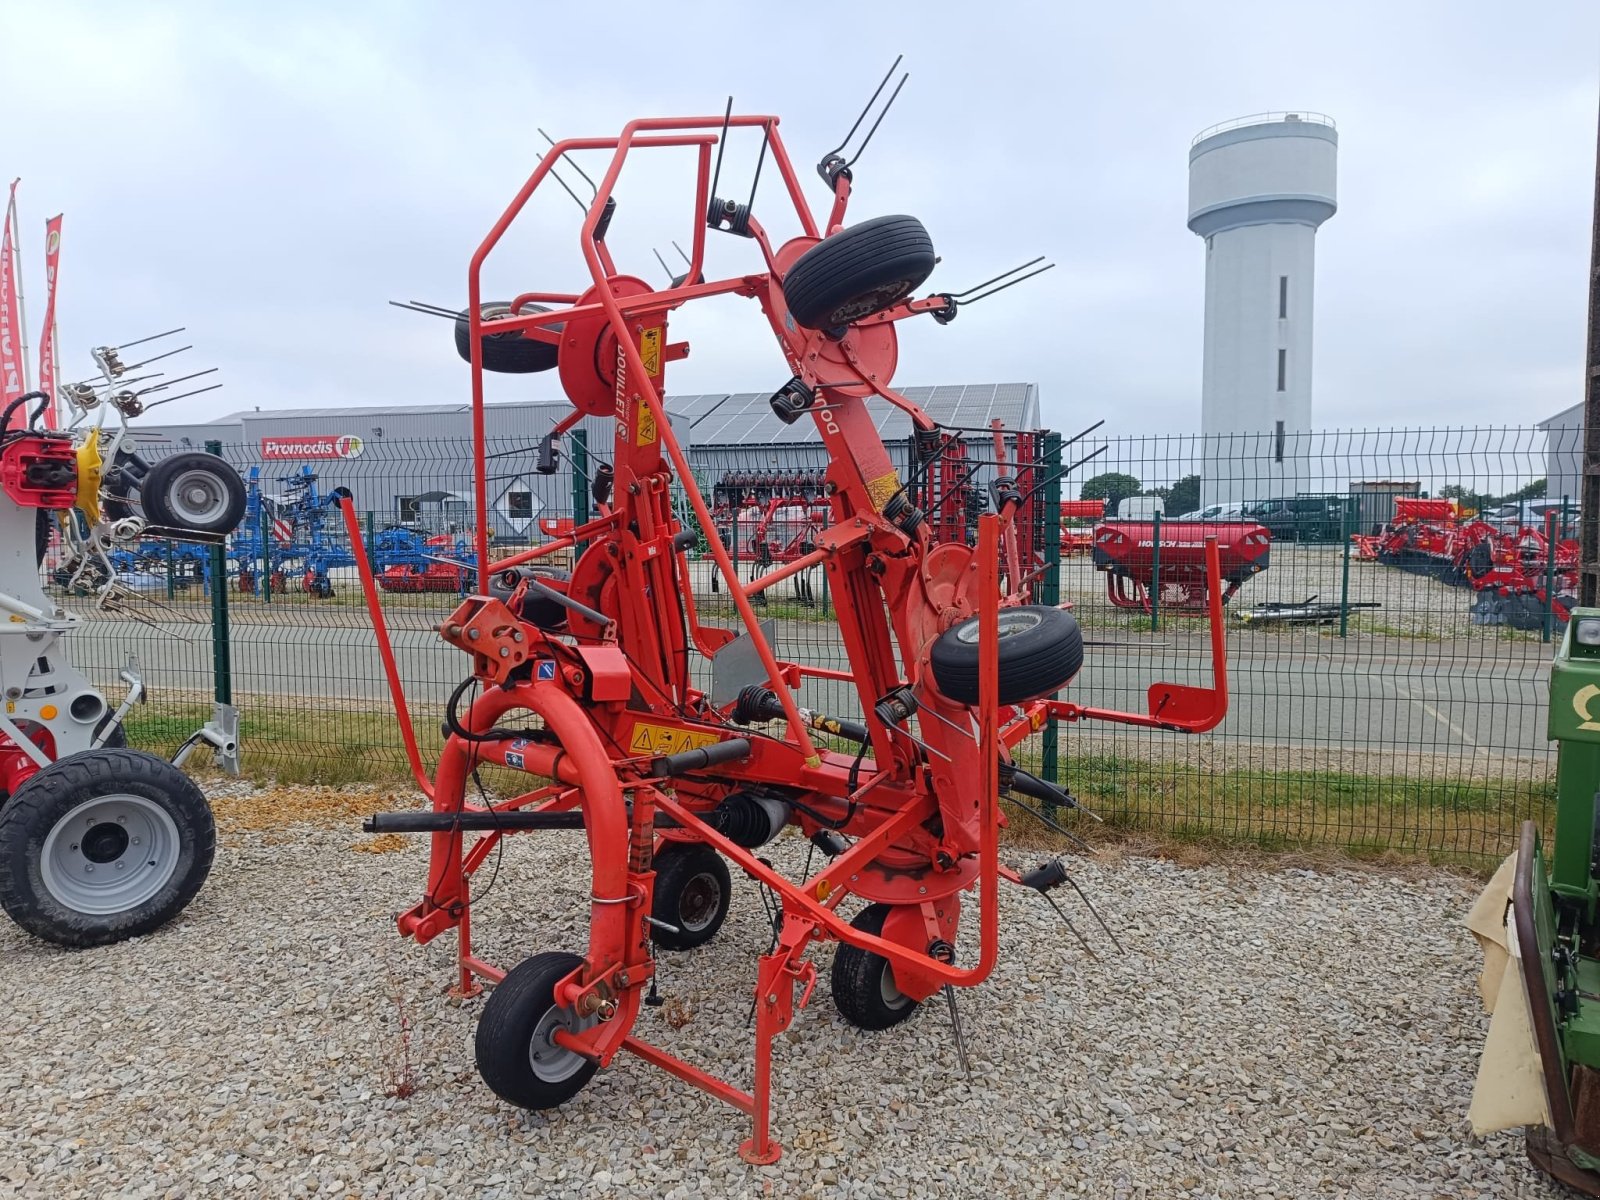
646	426
650	350
663	739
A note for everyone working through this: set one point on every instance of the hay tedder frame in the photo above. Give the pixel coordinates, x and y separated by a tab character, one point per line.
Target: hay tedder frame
583	682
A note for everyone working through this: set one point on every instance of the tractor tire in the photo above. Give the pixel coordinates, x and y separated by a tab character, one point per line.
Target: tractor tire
858	271
1041	649
864	990
196	492
515	1054
692	891
507	353
137	820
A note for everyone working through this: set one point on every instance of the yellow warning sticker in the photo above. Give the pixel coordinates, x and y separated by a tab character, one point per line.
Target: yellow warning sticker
663	739
645	426
883	487
650	349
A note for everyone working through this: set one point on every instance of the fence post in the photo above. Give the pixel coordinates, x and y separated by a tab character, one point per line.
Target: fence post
221	658
266	555
1155	575
580	486
171	589
1049	588
1549	575
1344	575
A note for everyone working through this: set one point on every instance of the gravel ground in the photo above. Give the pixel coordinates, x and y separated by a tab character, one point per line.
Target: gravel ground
1288	1033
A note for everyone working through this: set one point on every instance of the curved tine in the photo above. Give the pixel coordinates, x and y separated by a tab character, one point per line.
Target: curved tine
573	163
662	261
1082	941
1010	283
868	108
1089	904
687	261
151	338
1012	271
862	149
556	175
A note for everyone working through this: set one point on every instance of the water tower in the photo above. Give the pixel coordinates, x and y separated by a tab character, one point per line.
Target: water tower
1258	189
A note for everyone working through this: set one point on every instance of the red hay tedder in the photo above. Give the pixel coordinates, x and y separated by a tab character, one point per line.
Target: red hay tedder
584	683
1193	555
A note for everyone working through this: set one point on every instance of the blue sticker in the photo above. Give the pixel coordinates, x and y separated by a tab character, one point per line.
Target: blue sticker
547	668
518	744
513	760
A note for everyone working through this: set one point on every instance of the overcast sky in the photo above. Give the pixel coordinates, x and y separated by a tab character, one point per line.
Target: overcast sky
269	175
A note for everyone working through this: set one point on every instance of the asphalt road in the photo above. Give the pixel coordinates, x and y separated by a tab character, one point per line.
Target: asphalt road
1482	697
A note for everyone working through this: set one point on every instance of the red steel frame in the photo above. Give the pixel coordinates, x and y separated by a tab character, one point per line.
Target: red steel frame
923	812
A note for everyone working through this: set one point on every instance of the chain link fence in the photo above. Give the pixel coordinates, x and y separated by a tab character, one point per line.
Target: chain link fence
1387	660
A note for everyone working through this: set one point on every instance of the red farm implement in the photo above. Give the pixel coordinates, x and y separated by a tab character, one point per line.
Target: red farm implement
584	684
1175	562
1076	538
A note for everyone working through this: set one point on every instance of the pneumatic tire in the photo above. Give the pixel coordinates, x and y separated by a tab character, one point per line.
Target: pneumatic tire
864	990
1041	649
507	353
858	271
691	894
514	1049
193	492
103	846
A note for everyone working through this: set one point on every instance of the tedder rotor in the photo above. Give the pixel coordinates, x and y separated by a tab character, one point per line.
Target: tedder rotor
584	683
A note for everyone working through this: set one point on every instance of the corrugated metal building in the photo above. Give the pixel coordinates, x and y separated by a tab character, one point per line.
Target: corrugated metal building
413	462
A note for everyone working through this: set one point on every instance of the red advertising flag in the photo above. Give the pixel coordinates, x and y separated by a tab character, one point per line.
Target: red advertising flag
47	339
12	377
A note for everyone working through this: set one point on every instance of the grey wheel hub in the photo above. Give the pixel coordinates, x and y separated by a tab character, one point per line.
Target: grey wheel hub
198	497
1009	624
551	1061
110	854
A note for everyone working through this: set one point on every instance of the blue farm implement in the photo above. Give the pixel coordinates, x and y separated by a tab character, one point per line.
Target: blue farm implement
288	537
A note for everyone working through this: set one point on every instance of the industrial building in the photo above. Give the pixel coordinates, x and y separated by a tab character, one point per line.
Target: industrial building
412	463
1259	187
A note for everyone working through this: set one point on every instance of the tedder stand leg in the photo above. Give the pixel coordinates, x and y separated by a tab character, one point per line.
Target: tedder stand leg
775	1003
467	984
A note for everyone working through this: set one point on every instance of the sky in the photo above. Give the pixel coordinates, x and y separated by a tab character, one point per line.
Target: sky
269	176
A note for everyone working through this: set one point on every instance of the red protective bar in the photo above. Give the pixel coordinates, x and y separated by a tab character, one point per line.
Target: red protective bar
369	587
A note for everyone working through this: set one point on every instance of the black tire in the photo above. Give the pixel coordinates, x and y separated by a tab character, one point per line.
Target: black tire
544	612
195	492
858	271
863	982
507	353
1041	649
40	888
517	1070
42	522
692	891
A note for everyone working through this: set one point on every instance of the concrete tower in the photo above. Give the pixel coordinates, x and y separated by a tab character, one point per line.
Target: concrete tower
1258	189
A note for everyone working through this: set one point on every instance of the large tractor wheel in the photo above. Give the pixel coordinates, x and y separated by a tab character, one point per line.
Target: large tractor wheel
193	492
858	271
517	1056
864	990
102	846
507	353
1041	649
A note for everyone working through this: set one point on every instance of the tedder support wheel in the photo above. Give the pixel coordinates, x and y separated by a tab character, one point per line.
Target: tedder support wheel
864	990
104	845
1041	649
195	491
507	353
858	271
517	1056
691	894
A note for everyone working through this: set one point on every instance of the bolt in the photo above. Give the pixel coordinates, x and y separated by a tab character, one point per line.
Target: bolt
505	652
516	636
120	865
135	842
122	820
472	635
622	978
88	868
922	891
773	998
74	846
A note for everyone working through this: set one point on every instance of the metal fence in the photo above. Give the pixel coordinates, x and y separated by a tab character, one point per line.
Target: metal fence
1398	709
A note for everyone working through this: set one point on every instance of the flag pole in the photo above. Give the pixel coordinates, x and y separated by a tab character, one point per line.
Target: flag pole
16	268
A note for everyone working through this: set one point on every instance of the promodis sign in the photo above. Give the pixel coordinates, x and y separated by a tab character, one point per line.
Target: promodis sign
276	449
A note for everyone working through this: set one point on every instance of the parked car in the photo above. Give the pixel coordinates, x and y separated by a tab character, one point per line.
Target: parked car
1138	508
1214	512
1300	518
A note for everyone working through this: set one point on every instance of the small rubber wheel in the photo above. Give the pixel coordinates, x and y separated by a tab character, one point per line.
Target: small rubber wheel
864	990
692	891
507	353
515	1052
543	611
1041	649
43	521
194	491
858	271
102	846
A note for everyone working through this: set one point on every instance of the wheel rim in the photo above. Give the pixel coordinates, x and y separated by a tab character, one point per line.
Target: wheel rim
110	854
1010	624
550	1061
870	302
698	902
197	497
893	998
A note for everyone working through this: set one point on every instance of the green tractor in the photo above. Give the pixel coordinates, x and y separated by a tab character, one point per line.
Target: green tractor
1538	923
